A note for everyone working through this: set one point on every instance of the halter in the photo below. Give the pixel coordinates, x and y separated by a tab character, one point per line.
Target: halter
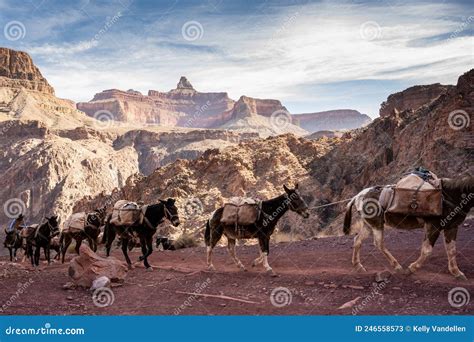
290	202
168	214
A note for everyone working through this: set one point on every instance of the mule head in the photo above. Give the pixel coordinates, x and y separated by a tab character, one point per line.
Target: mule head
10	238
53	222
171	211
295	202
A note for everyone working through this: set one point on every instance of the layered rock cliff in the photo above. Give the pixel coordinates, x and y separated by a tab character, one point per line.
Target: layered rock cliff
18	71
412	98
332	120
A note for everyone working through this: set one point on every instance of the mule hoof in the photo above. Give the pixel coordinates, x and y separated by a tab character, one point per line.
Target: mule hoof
412	268
271	272
140	258
400	270
359	268
211	267
130	266
149	269
461	277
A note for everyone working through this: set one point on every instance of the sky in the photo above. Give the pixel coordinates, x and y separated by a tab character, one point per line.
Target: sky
311	55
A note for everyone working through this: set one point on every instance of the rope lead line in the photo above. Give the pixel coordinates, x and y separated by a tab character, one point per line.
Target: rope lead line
332	203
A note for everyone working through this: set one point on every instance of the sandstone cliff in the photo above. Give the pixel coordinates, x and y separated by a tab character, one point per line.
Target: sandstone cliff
412	98
332	120
17	70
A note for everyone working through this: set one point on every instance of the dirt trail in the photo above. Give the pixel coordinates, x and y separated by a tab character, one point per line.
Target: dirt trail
317	273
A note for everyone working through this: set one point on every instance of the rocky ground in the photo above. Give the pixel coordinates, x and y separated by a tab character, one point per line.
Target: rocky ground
317	274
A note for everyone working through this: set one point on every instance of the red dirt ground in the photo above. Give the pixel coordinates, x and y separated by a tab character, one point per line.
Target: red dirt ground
317	273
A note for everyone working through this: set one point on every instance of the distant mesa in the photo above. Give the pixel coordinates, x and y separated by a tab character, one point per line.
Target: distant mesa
332	120
186	107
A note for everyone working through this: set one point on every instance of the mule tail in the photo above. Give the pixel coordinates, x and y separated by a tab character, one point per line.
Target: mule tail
348	217
207	234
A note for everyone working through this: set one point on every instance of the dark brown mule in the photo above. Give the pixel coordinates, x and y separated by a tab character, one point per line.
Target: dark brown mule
458	199
91	231
39	236
271	211
13	239
154	215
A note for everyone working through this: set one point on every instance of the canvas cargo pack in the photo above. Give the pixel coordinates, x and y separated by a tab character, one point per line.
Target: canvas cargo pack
28	231
413	196
241	211
126	213
75	223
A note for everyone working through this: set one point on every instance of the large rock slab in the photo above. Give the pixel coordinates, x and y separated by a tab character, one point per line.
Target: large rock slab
88	266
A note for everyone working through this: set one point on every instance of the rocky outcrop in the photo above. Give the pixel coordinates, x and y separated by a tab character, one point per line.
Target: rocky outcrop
18	71
332	120
412	98
88	266
248	106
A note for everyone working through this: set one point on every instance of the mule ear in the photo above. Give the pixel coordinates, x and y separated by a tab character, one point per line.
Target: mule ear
171	201
161	201
296	186
286	188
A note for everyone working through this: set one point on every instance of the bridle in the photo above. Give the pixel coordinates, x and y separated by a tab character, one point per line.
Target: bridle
168	214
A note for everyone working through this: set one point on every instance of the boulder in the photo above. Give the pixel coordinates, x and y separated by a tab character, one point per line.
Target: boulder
88	266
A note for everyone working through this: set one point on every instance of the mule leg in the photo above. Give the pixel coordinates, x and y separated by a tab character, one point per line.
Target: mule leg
216	234
258	260
109	239
144	247
431	235
231	249
265	248
363	233
37	255
64	246
49	254
78	244
450	245
125	253
378	242
14	254
10	250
